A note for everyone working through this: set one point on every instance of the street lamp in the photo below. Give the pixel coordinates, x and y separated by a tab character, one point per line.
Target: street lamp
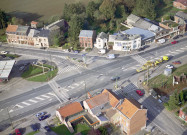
10	118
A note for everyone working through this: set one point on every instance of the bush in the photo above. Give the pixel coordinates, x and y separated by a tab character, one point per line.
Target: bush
88	49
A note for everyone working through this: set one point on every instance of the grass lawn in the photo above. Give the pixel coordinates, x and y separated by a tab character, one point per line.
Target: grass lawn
12	55
2	35
83	128
62	129
31	10
161	80
33	70
32	133
44	78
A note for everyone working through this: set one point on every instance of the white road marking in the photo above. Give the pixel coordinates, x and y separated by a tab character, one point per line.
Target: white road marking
65	89
34	101
183	48
167	54
19	106
11	111
25	103
51	94
76	84
39	98
1	110
180	50
45	96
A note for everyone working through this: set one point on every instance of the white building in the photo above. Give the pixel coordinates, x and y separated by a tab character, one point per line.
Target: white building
125	42
101	41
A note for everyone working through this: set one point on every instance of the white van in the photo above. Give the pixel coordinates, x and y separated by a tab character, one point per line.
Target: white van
102	51
111	56
161	41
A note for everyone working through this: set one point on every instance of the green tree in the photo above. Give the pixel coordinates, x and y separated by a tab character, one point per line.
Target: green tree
76	24
173	101
17	21
90	9
181	97
107	8
3	19
120	11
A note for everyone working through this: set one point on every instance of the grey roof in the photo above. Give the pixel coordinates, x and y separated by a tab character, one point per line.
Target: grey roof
102	35
44	33
141	23
33	33
5	68
101	108
22	29
86	33
133	18
182	15
145	34
123	36
56	25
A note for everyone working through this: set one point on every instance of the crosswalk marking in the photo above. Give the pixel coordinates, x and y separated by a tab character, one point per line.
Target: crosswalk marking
34	101
45	96
19	106
180	50
39	98
138	58
25	103
51	94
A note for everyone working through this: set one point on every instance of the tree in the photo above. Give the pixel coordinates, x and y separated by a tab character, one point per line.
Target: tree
17	21
76	24
173	101
181	97
90	9
107	8
94	132
3	19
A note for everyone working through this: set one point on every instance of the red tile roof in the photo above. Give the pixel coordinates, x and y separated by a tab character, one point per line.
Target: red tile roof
70	109
129	107
11	28
33	22
184	2
104	97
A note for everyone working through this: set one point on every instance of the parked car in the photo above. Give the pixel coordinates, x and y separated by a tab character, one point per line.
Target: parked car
115	78
17	131
111	56
4	52
174	42
43	48
169	66
47	128
139	92
43	117
176	62
40	114
34	127
76	51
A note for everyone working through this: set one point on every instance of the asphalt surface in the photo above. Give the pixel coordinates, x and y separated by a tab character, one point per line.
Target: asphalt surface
94	78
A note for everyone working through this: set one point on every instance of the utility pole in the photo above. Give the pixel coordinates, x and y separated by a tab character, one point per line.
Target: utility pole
148	76
10	118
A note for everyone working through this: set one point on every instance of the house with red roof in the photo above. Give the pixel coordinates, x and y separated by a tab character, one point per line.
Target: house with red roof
180	4
183	113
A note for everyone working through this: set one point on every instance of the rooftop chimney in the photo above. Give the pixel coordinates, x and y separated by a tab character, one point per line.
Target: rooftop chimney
89	95
141	106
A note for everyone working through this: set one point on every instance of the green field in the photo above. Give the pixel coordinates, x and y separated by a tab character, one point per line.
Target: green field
35	9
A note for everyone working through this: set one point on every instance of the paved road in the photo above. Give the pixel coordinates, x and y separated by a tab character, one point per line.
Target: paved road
94	78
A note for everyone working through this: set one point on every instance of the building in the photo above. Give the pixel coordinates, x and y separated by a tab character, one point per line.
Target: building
34	24
87	38
101	40
147	36
181	18
183	113
130	115
180	4
125	42
5	69
73	113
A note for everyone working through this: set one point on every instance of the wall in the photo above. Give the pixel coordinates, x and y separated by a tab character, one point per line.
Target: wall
100	44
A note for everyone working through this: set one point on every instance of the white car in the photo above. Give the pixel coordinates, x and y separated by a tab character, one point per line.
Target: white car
169	66
4	52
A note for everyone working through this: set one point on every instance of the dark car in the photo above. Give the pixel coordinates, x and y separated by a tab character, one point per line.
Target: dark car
43	48
43	117
34	127
47	128
115	78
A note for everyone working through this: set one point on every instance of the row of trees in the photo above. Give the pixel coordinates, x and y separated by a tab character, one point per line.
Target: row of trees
3	19
176	100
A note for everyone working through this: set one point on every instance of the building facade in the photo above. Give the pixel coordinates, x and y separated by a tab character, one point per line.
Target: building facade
180	4
101	41
181	18
87	38
125	42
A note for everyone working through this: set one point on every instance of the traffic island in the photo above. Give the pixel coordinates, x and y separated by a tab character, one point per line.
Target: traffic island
40	73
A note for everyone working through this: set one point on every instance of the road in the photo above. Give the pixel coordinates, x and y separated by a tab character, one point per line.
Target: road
93	78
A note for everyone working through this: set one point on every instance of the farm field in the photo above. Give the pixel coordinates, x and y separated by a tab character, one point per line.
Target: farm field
36	9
